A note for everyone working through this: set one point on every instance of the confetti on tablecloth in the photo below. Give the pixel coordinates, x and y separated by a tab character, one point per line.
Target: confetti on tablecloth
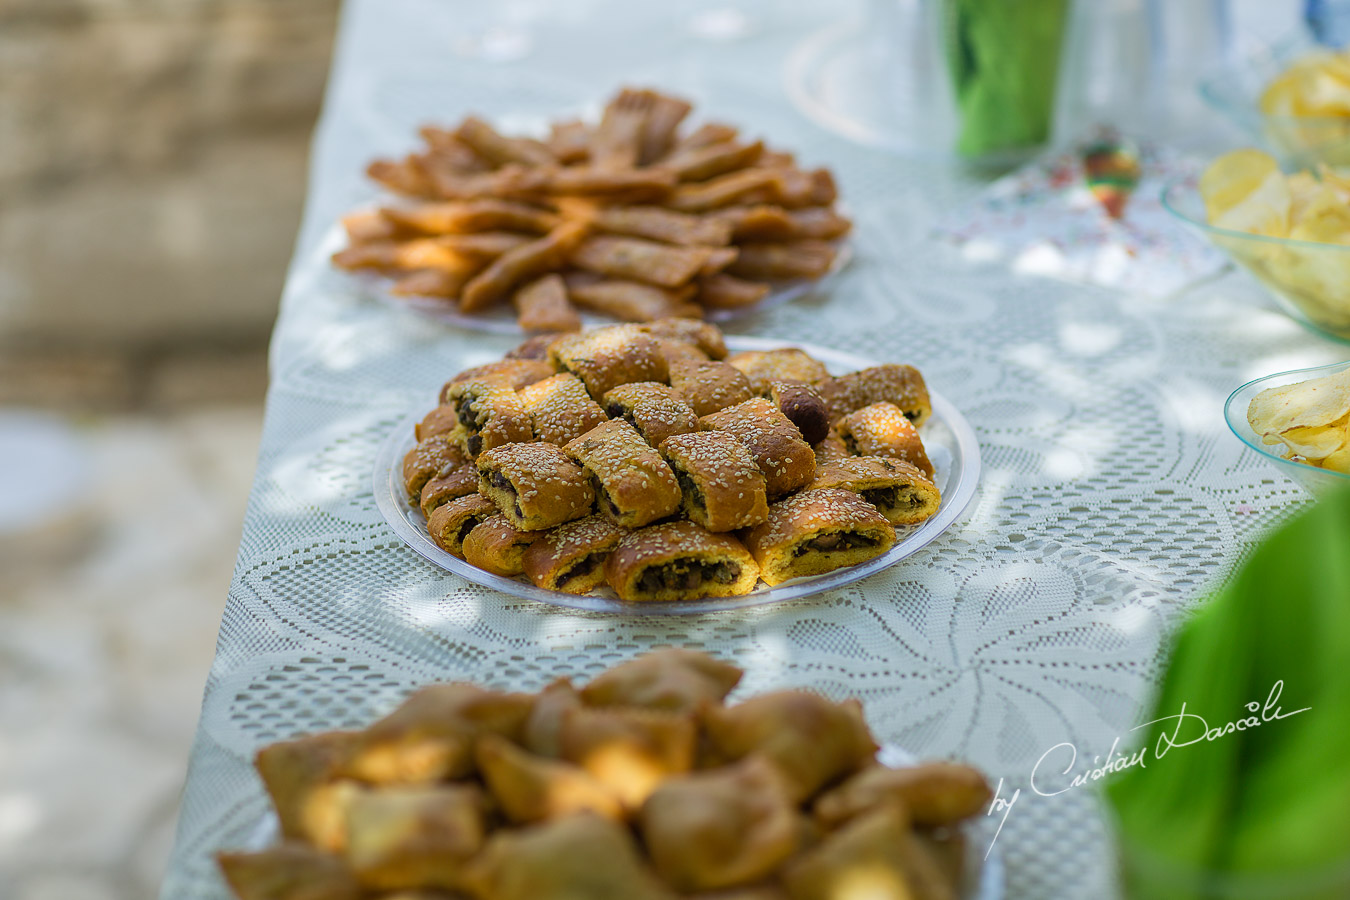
1043	220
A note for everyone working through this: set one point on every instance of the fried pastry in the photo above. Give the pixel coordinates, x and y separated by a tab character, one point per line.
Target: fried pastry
764	367
679	560
289	871
451	523
499	150
880	844
787	261
830	449
720	191
430	736
651	408
542	305
459	482
804	407
723	291
570	141
512	372
581	856
628	750
706	337
883	430
521	264
530	788
664	115
608	357
561	409
412	836
534	485
934	794
658	224
632	301
441	420
301	776
543	729
777	446
712	160
633	484
490	415
901	385
722	486
635	259
435	283
732	826
496	546
672	679
672	350
708	386
534	348
431	458
465	216
813	741
571	558
818	531
899	491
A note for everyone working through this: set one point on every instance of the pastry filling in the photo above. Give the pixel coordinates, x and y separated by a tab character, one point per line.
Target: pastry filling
604	497
469	524
690	489
502	483
473	418
838	540
686	575
582	567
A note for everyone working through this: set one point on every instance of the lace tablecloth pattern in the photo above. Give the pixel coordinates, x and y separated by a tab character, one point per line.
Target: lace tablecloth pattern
1112	495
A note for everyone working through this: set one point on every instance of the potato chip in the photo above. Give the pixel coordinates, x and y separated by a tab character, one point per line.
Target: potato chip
1313	443
1307	404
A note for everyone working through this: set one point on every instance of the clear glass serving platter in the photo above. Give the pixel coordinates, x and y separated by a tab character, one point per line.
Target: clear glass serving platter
947	436
501	317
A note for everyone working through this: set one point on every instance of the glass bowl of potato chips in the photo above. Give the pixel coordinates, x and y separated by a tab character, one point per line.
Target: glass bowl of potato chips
1291	231
1293	96
1298	420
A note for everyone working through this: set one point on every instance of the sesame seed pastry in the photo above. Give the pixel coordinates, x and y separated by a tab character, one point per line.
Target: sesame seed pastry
496	546
571	558
901	385
723	488
608	357
560	408
490	414
534	485
816	532
679	560
899	491
633	484
651	408
450	523
777	446
883	430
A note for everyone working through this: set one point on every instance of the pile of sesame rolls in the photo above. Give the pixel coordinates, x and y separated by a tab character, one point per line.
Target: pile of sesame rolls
646	458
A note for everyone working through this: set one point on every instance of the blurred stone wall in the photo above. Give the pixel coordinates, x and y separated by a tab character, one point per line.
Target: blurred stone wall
152	170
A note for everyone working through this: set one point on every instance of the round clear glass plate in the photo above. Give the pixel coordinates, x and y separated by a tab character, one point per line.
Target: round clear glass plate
983	874
1312	478
501	318
947	436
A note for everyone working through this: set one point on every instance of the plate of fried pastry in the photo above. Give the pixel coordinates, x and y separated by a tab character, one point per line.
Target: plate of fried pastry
632	217
664	468
642	784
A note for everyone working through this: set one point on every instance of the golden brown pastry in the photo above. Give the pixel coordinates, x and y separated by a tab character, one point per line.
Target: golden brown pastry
708	386
785	261
542	305
512	372
704	336
289	871
558	861
633	484
411	836
679	560
672	679
571	558
497	546
723	488
533	349
731	826
881	844
302	778
818	531
490	415
531	788
630	751
764	367
460	482
804	407
723	291
883	430
673	350
605	358
631	301
899	491
901	385
830	449
441	420
812	740
544	726
430	736
651	408
434	457
934	793
780	452
451	523
534	485
561	409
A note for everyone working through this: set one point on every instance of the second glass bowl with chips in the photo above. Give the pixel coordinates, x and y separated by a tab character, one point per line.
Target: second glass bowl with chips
1309	280
1315	480
1235	88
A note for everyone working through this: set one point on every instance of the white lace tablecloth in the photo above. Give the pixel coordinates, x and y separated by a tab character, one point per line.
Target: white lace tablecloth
1112	494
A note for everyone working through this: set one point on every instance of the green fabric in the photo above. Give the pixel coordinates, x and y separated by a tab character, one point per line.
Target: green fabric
1003	56
1272	799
